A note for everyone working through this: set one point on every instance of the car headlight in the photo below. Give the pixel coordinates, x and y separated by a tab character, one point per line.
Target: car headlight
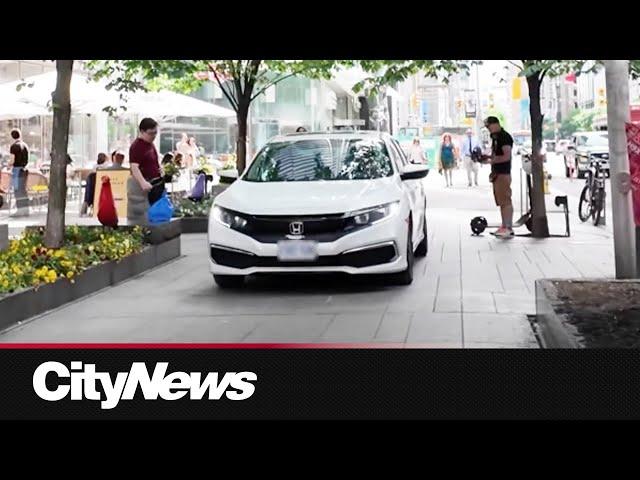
228	218
369	216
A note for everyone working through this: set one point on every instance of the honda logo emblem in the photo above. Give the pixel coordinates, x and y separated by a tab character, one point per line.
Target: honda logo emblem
296	228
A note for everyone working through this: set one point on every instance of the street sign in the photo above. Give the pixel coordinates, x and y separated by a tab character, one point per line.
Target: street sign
118	180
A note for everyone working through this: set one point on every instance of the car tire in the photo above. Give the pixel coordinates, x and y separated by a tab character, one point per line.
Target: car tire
423	246
406	276
229	281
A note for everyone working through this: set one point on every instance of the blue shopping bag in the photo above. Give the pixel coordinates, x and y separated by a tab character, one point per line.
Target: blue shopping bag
161	211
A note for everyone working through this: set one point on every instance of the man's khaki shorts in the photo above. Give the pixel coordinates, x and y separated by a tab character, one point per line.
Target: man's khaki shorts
502	190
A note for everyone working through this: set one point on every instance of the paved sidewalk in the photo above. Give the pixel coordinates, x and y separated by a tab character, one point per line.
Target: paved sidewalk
470	291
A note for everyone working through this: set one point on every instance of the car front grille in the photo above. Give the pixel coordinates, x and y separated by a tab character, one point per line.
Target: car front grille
272	228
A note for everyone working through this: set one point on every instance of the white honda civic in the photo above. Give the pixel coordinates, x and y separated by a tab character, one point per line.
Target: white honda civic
346	202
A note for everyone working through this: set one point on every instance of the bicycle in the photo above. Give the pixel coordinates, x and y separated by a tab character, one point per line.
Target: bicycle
593	194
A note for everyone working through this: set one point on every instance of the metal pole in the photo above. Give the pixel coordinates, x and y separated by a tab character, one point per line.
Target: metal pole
478	106
624	235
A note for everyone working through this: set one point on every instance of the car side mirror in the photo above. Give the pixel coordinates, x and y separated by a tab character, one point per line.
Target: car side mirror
414	172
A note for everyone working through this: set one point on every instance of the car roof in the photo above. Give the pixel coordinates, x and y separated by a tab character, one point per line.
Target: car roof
336	134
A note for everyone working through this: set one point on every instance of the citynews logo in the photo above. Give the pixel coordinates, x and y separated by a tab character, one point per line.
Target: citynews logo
84	381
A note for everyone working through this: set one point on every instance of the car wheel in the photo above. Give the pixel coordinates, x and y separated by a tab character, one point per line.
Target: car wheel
406	276
423	246
229	281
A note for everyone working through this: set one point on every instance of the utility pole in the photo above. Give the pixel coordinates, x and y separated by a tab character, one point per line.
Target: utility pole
618	113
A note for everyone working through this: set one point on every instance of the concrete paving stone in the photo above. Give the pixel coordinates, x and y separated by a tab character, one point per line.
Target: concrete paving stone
500	345
448	303
394	327
497	328
352	327
435	328
512	303
478	302
290	328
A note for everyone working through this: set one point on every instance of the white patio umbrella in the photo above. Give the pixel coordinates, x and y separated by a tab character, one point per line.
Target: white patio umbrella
167	103
86	96
10	109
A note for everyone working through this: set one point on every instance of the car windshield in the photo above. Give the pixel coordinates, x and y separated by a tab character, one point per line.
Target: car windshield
593	140
321	159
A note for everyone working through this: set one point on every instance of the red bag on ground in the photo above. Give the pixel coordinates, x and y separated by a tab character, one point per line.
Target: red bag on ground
107	214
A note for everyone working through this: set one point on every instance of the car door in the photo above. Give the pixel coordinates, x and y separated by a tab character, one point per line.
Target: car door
414	189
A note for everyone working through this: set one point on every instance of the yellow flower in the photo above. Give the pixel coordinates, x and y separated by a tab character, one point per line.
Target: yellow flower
5	284
51	276
70	275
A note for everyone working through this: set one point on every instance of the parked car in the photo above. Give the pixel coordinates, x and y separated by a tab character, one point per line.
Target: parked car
321	202
585	147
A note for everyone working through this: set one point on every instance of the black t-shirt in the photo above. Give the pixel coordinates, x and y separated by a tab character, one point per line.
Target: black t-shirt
21	153
499	140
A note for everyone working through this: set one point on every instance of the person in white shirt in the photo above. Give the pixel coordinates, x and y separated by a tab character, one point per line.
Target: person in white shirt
416	152
468	144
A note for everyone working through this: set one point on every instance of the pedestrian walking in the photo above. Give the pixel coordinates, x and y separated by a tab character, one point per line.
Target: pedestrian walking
500	159
448	158
18	164
471	162
416	152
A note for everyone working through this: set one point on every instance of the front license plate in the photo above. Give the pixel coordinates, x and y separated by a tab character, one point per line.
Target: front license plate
297	250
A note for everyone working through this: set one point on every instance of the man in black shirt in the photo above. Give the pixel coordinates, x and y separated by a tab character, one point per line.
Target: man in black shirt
500	160
19	161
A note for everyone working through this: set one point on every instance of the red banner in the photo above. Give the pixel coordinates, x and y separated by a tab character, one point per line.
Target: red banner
633	147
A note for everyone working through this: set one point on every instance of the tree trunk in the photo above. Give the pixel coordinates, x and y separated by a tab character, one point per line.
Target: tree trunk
241	147
54	235
540	227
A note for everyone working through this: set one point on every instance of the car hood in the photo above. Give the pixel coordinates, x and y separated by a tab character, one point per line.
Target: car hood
308	198
594	149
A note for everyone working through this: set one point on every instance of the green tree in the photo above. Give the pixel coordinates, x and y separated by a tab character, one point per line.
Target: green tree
578	120
241	81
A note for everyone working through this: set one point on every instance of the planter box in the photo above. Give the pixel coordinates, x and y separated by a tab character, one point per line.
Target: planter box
163	232
4	236
598	313
19	306
194	224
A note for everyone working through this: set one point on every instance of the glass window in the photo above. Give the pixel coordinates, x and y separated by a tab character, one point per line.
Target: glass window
403	158
321	159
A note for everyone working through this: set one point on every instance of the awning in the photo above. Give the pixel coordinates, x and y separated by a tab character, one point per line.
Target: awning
88	96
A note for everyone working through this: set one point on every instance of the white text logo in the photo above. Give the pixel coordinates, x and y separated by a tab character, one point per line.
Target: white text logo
84	380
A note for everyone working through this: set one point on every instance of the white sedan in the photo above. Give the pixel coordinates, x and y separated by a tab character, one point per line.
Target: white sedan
327	202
